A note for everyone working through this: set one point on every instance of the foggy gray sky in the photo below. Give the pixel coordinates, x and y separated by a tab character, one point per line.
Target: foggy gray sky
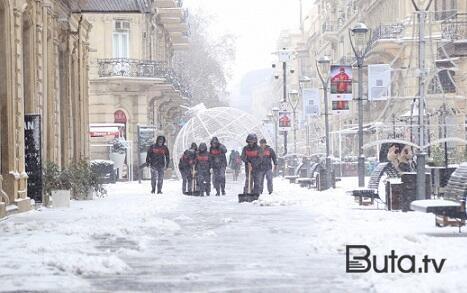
255	23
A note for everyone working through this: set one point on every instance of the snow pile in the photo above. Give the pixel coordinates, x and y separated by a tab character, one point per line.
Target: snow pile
340	221
66	243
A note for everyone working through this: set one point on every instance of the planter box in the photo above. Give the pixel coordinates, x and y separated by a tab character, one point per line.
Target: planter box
61	198
118	159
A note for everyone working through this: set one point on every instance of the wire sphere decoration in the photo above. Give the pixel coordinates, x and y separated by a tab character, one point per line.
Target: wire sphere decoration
230	125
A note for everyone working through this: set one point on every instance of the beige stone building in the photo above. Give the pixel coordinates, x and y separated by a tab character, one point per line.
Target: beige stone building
394	41
131	77
43	52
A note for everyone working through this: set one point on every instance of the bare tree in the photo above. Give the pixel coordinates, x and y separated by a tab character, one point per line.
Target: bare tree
206	65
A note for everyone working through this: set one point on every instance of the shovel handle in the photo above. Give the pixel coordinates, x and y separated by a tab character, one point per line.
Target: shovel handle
249	180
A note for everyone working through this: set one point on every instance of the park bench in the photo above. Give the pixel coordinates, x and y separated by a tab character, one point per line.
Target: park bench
366	196
291	178
306	182
308	175
449	211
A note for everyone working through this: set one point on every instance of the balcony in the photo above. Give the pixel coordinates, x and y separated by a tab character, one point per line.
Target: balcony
174	22
454	27
387	32
329	30
387	36
142	69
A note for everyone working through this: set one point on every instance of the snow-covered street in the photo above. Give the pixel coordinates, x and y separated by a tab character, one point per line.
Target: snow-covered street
292	241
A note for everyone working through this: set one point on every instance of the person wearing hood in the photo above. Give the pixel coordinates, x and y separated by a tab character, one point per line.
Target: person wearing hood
158	159
203	169
235	163
251	156
219	163
186	165
267	160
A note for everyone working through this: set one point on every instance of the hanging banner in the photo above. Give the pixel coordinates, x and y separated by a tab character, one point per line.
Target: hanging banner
340	106
341	82
284	121
311	103
33	157
379	82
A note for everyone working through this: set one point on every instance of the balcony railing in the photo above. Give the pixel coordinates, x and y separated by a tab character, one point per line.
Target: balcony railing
455	27
387	32
134	68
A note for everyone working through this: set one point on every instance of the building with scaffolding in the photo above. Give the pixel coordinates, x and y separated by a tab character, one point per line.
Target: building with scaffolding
394	43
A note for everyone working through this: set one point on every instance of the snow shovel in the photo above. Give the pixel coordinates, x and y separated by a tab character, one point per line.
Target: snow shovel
249	196
194	186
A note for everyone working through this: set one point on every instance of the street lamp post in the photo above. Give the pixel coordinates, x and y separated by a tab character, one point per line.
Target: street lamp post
275	113
359	40
284	57
323	66
302	85
421	11
293	99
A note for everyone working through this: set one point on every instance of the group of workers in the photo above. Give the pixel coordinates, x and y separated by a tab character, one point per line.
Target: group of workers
197	162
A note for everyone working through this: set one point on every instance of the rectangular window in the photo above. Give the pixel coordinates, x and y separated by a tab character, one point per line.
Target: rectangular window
121	39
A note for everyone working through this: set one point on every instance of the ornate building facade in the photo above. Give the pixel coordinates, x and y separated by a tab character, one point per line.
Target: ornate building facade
394	41
132	82
43	53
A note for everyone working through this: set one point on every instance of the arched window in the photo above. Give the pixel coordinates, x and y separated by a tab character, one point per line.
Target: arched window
120	117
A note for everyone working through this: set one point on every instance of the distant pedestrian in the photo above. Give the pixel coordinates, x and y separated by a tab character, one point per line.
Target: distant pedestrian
158	159
235	163
203	170
251	157
268	164
219	163
186	167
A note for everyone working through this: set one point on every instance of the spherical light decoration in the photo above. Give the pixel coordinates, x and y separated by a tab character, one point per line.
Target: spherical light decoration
230	125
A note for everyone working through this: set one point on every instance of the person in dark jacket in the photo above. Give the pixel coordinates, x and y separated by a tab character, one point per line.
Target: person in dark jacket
203	169
267	161
219	163
235	163
251	156
158	159
186	167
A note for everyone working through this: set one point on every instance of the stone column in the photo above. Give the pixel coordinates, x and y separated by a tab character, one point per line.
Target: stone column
17	171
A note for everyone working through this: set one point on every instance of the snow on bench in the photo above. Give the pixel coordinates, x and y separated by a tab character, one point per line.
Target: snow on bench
436	206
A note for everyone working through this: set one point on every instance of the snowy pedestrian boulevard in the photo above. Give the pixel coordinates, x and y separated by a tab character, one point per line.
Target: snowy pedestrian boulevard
292	241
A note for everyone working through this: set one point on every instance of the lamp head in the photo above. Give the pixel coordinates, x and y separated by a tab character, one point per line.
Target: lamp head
293	98
324	65
360	33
